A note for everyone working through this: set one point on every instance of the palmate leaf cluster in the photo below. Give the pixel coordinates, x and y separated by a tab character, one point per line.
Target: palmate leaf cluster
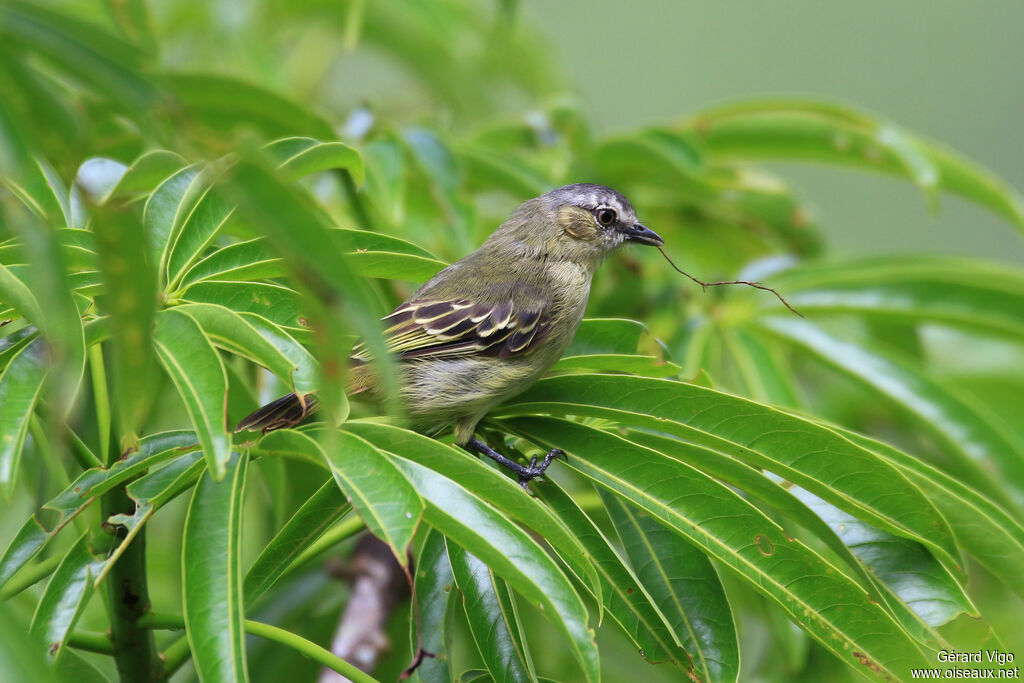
747	494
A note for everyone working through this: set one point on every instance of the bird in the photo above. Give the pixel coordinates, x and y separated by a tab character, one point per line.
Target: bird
488	326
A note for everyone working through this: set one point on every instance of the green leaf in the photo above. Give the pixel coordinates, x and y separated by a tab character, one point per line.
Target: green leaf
762	366
300	157
144	174
371	254
685	587
61	325
317	515
386	176
89	485
18	295
598	336
151	492
101	59
206	216
164	211
909	571
222	102
435	592
975	296
258	340
812	131
511	553
625	597
798	449
486	170
20	385
487	483
193	364
212	575
491	611
43	192
378	491
280	305
821	600
300	236
644	366
130	288
21	657
982	529
65	597
985	451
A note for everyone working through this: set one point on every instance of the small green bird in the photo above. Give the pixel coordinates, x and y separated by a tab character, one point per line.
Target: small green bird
488	326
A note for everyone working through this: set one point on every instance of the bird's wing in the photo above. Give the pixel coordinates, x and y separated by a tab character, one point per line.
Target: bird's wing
437	329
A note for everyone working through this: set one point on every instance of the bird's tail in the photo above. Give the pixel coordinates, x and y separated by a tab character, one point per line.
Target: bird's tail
286	411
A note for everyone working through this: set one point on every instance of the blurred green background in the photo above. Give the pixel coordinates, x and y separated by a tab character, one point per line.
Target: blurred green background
946	69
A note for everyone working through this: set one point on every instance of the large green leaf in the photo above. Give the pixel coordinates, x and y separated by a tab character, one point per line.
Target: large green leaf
258	340
20	385
212	575
16	294
986	452
165	210
130	298
814	131
85	490
490	609
300	157
340	301
309	523
798	449
280	305
822	600
105	180
685	587
625	597
61	325
83	50
511	553
908	563
976	296
207	214
909	571
371	254
193	364
222	102
151	492
435	591
487	483
378	491
65	597
982	528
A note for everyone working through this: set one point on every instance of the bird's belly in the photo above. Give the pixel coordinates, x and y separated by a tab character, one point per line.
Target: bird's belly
450	390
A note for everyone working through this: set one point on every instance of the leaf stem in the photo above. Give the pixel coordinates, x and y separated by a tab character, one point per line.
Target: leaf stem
86	459
343	530
174	656
30	576
101	397
92	641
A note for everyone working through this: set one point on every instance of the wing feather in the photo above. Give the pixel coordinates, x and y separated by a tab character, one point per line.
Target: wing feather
448	329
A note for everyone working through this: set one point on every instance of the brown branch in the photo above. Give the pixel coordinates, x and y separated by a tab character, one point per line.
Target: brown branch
705	285
378	583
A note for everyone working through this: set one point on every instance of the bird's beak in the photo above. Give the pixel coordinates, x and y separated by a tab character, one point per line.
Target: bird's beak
642	234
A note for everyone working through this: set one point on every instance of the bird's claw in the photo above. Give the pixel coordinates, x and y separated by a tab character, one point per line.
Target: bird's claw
528	474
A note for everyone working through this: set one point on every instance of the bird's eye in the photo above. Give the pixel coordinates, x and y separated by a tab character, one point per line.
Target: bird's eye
605	217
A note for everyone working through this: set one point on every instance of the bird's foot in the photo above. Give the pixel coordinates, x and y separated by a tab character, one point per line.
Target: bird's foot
527	474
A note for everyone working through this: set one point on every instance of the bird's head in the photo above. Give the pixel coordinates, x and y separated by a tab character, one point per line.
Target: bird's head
582	222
